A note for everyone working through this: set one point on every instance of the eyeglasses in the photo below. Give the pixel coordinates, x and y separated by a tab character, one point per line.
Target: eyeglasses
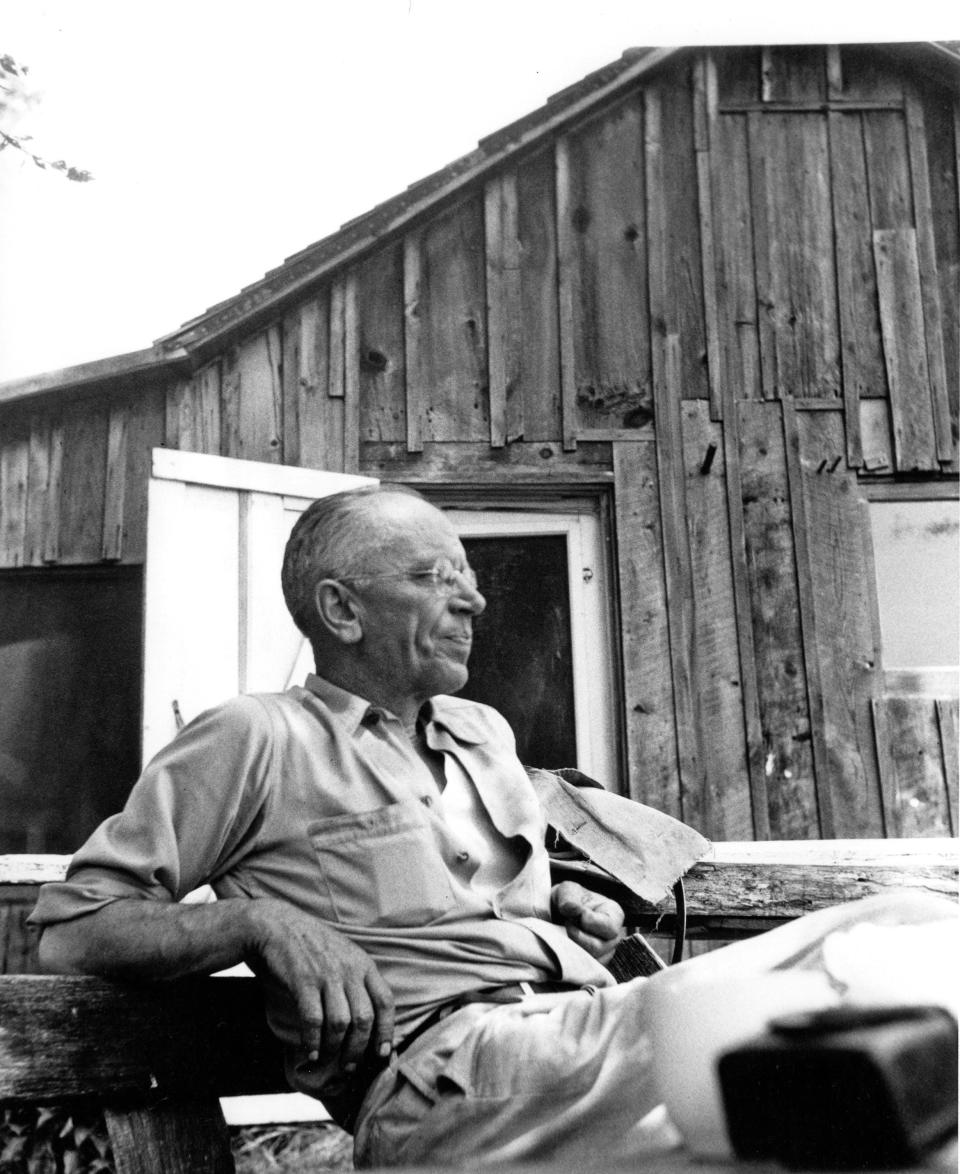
443	576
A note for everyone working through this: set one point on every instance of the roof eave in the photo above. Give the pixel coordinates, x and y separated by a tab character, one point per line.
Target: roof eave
151	361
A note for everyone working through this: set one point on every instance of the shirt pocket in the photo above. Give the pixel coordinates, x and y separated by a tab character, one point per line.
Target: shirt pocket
381	867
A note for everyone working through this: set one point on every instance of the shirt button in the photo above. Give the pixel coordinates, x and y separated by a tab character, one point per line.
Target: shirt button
463	857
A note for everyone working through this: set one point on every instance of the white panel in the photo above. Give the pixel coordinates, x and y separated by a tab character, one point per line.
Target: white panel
276	1109
215	620
230	473
271	641
918	572
191	606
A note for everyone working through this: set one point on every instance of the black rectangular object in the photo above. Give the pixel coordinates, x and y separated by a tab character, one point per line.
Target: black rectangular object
844	1089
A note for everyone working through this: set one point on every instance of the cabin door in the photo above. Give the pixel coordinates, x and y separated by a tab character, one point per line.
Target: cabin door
215	621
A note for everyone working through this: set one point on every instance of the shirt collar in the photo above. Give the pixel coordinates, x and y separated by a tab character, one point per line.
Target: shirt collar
347	706
449	713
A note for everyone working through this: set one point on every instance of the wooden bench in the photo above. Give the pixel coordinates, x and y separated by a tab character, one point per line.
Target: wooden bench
158	1057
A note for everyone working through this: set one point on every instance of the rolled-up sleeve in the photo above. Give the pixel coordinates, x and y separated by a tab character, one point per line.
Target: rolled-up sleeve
188	820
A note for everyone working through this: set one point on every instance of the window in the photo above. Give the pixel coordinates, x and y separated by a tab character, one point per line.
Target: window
70	660
917	560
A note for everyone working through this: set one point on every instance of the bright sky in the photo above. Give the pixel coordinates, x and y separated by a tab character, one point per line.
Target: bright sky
225	136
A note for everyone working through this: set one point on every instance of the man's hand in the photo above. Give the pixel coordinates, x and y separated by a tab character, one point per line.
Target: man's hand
592	921
343	1003
345	1006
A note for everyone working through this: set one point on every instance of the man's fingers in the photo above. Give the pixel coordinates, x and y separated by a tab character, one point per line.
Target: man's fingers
594	914
353	1050
605	920
589	942
336	1020
569	898
310	1010
382	999
601	948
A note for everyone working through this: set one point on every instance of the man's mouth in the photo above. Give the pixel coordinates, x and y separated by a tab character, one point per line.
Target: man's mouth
460	639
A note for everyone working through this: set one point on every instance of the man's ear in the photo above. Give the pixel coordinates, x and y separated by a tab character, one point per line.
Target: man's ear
337	611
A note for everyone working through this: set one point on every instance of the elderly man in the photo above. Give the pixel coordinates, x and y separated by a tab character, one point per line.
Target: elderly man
377	853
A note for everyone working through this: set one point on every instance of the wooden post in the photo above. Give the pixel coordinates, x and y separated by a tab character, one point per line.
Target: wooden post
175	1136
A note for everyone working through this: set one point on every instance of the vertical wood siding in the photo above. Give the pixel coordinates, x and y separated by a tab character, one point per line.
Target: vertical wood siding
729	298
608	270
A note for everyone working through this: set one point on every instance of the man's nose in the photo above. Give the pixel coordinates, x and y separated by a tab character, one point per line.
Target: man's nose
468	598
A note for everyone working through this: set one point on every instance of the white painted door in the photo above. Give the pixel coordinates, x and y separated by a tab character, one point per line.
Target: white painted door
215	621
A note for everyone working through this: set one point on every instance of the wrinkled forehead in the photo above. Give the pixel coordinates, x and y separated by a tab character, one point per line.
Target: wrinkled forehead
398	528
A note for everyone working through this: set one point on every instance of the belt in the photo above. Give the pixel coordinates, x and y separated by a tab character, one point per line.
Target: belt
511	992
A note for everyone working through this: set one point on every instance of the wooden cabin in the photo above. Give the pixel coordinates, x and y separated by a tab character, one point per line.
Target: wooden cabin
680	348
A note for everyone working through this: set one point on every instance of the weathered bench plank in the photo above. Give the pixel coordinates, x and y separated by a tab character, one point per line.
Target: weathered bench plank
156	1057
746	887
63	1037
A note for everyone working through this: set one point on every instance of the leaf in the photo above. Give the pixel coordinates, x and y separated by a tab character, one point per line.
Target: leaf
14	1149
45	1116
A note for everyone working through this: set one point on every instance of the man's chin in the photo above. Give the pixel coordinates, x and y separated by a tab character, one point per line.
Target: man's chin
452	679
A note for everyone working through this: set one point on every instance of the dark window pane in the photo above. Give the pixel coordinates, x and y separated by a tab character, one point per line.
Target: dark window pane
70	669
522	663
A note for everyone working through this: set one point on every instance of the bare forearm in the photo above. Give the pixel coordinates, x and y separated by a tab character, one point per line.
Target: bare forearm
143	939
343	1003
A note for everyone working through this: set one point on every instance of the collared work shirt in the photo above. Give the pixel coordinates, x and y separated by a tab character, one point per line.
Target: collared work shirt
316	798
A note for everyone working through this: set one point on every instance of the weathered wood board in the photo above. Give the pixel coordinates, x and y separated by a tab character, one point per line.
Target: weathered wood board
253	399
915	795
538	409
902	327
841	637
650	731
83	481
861	353
683	306
134	1052
452	320
612	349
382	387
736	282
782	683
716	672
796	283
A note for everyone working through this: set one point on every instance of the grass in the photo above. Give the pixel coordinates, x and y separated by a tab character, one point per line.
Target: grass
283	1149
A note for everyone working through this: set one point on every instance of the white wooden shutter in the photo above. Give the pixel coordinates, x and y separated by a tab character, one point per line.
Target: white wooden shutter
215	621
